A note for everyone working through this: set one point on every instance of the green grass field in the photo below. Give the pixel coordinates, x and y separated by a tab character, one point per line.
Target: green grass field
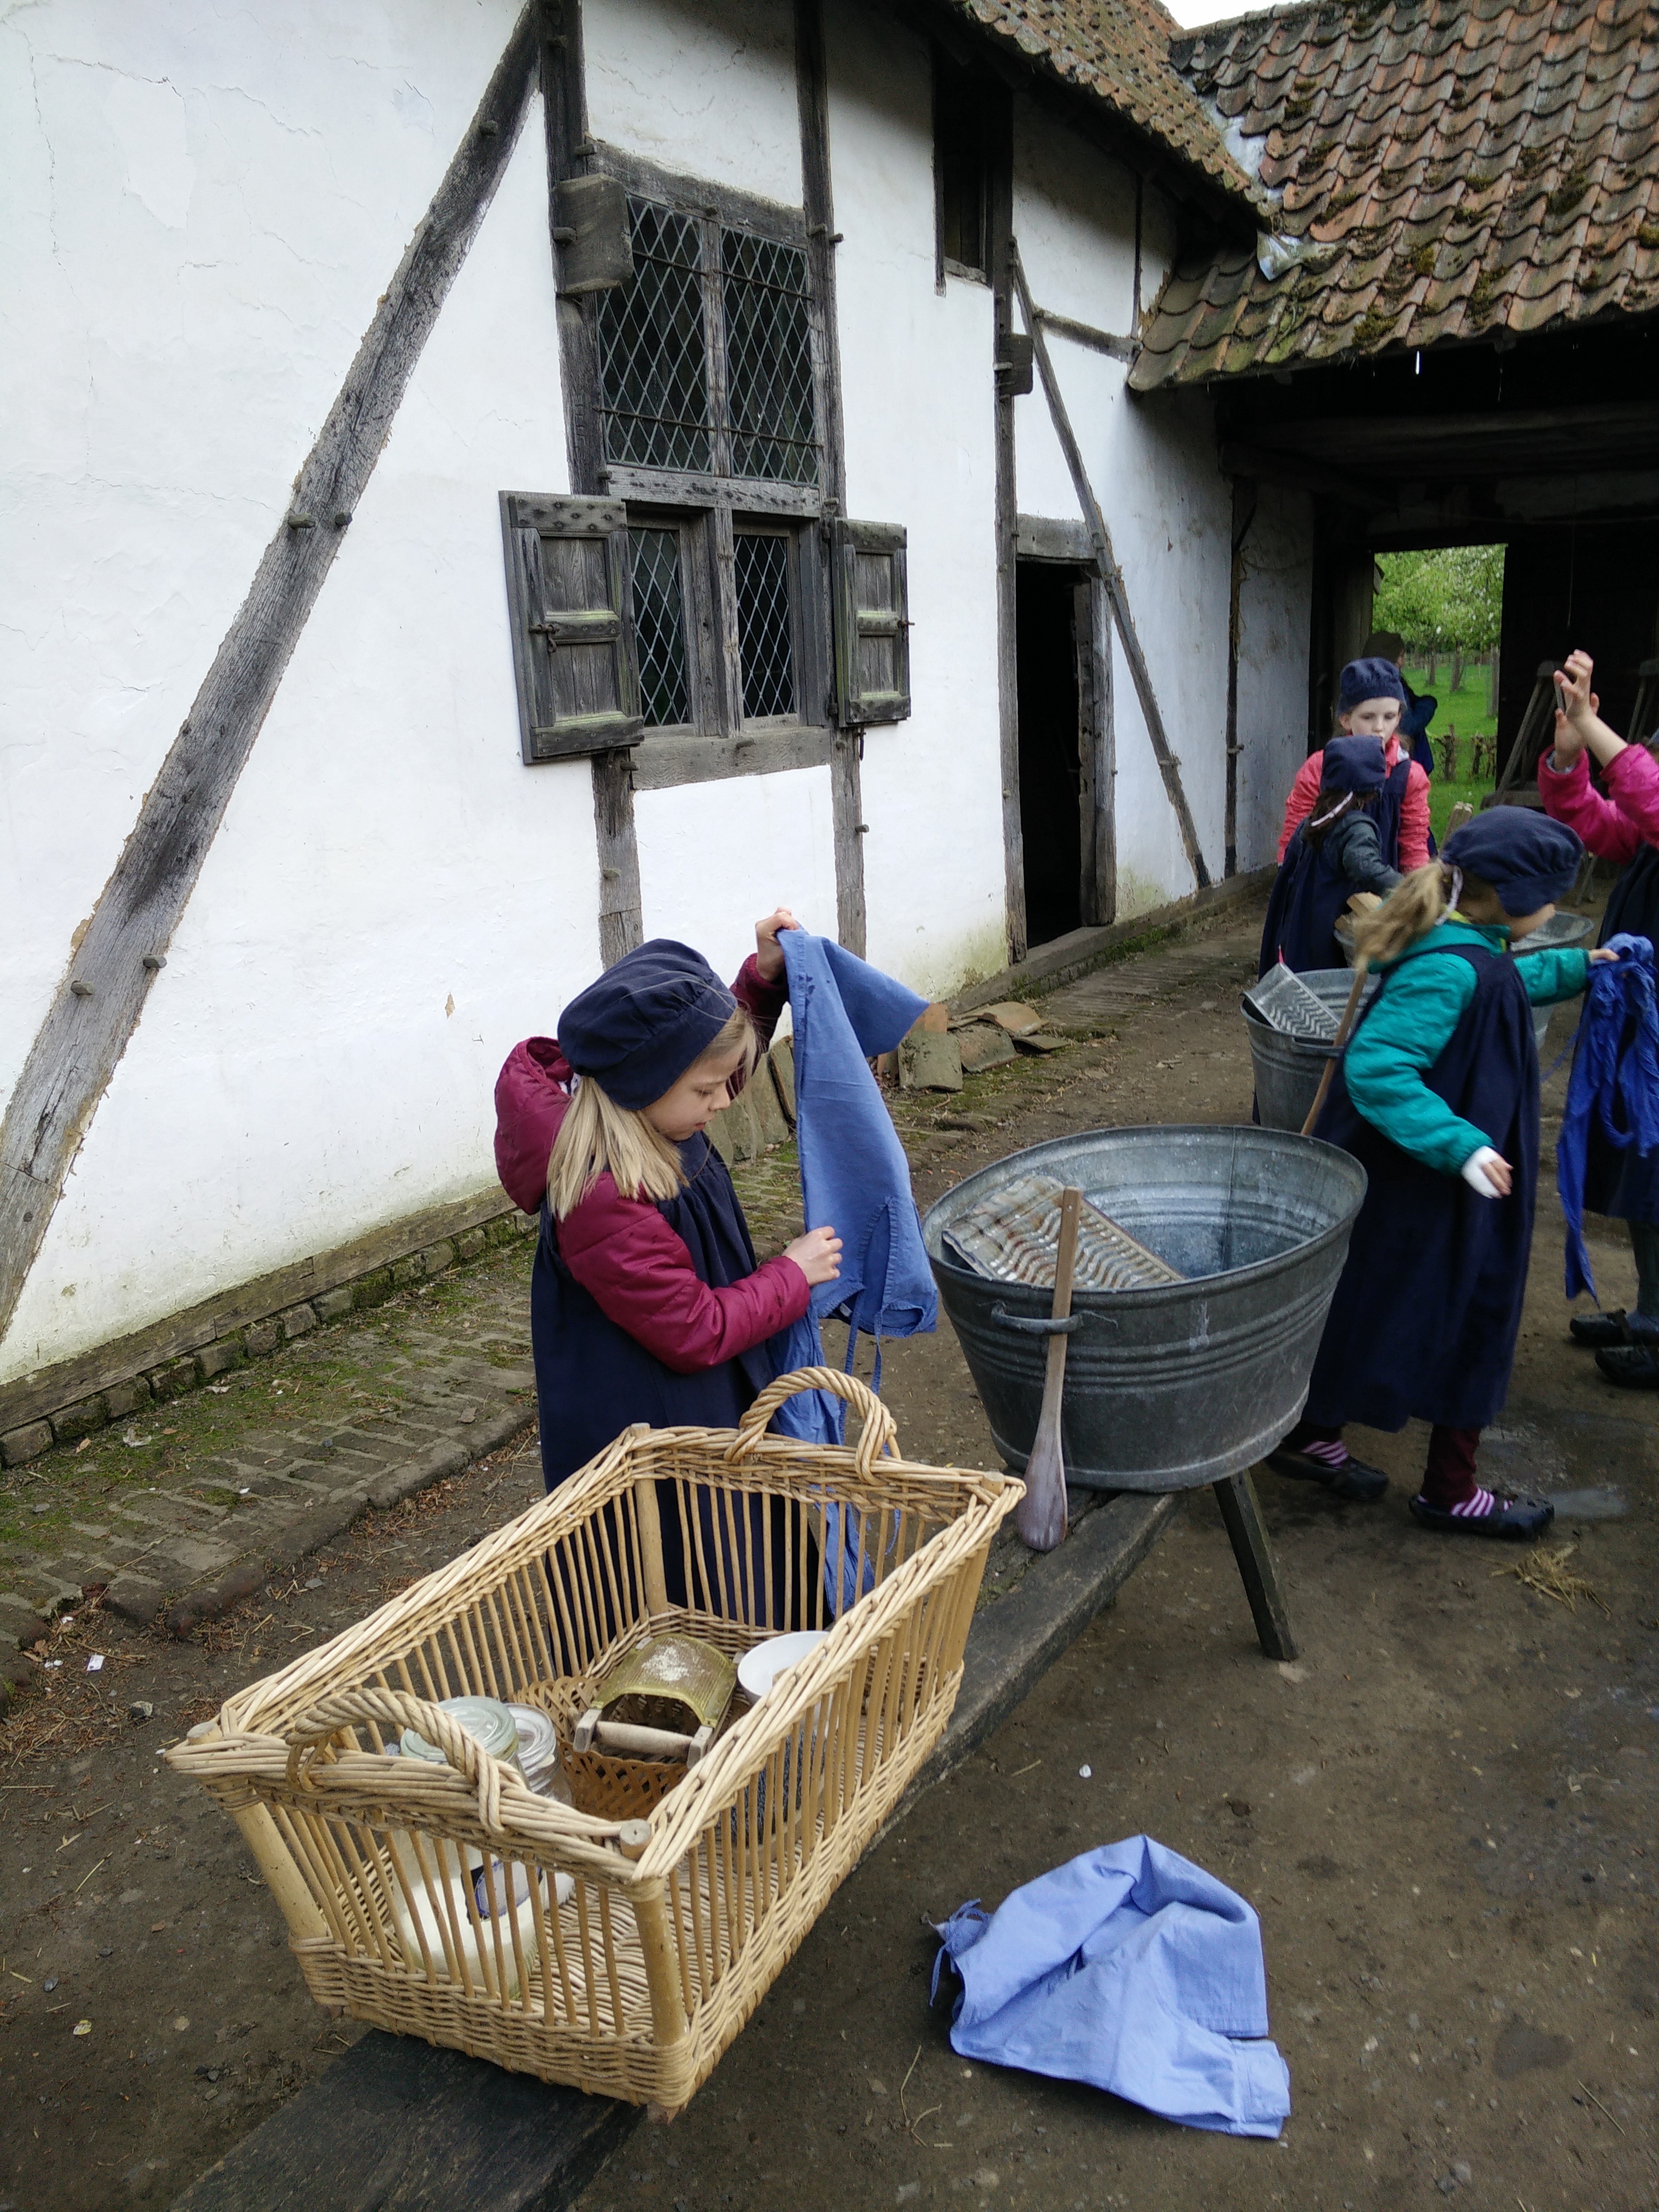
1469	712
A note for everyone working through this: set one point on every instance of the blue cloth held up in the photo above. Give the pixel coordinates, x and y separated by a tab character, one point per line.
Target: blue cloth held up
1134	1970
854	1177
1613	1086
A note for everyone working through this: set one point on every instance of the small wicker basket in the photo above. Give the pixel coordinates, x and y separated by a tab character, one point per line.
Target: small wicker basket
619	1955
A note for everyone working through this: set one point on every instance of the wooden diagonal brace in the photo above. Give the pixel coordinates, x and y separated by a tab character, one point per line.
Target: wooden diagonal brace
1111	575
98	1003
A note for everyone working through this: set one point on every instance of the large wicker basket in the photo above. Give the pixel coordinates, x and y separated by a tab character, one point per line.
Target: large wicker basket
453	1903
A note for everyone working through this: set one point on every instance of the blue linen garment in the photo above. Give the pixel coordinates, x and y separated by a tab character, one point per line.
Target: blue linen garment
1134	1970
1613	1093
855	1178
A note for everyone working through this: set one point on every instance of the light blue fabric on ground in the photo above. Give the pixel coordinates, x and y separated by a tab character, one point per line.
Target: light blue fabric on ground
1613	1083
1134	1970
855	1179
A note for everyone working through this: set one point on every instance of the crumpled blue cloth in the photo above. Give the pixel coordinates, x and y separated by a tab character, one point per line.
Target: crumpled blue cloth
1614	1084
855	1178
1134	1970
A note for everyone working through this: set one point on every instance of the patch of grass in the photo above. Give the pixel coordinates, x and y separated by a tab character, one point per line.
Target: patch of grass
1469	712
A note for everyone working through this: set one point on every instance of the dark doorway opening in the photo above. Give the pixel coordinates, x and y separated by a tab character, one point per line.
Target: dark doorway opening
1050	769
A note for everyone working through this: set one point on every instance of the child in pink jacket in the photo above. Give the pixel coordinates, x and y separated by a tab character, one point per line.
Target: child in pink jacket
1623	826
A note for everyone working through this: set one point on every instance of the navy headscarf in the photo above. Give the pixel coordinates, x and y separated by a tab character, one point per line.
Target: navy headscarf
638	1028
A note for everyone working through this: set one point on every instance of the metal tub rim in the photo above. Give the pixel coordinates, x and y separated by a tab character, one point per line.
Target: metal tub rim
1151	1295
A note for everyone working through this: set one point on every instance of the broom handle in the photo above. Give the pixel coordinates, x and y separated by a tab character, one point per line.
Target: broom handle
1342	1030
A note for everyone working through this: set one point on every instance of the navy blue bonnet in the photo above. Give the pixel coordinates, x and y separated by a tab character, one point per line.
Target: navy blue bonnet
1369	679
1529	860
1353	765
639	1027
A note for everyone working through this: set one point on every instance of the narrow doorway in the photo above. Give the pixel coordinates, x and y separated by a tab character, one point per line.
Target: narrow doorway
1050	766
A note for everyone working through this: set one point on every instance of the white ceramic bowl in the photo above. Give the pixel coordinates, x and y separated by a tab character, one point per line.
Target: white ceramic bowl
758	1670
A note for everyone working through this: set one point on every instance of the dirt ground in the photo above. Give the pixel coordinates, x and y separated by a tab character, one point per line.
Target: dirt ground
1444	1813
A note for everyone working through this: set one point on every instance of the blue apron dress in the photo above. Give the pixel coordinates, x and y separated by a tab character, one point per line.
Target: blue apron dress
1427	1313
1308	893
594	1380
1621	1183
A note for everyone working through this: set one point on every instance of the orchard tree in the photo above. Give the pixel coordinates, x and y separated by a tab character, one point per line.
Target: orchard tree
1451	597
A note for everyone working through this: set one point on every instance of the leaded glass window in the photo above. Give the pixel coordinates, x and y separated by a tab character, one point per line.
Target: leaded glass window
654	349
765	623
768	359
659	628
735	399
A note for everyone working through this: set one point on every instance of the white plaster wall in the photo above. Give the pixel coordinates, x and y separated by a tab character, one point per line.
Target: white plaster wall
201	208
706	88
715	858
917	396
393	898
1275	614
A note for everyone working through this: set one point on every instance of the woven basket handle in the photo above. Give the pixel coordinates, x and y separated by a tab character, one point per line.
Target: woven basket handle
880	1432
396	1709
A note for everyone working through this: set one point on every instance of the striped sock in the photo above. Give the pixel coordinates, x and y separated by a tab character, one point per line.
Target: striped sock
1476	1507
1332	1454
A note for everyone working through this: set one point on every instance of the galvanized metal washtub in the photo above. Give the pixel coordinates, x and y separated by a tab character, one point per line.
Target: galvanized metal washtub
1287	1069
1183	1383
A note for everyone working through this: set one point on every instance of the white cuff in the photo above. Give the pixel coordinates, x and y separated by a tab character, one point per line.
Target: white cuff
1474	1171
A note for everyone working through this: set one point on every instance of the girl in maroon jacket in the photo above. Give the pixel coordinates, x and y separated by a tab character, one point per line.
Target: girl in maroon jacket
646	1303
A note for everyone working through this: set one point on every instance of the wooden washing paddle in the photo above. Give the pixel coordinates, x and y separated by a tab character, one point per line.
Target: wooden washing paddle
1341	1038
1040	1517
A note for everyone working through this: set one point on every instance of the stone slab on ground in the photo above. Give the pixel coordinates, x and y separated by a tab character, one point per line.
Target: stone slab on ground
395	2126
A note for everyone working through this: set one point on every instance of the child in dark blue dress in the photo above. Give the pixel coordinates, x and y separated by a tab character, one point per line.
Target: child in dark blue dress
1437	1095
1334	852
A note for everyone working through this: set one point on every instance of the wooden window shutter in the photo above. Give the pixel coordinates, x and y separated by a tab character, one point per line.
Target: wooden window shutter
872	626
574	650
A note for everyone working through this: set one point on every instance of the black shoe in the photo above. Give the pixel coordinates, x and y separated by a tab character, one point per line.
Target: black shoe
1633	1366
1517	1518
1598	1330
1353	1479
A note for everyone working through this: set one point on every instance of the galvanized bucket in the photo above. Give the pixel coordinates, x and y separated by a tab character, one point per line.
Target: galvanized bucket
1181	1384
1561	929
1287	1070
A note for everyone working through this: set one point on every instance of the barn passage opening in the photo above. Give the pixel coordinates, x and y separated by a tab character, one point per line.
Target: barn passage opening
1050	766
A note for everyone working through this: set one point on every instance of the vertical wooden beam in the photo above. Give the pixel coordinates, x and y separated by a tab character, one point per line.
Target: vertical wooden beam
1244	498
109	974
1006	519
1096	751
564	93
1169	766
818	205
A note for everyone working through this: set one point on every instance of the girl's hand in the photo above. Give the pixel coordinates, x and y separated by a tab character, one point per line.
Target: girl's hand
817	1255
768	953
1488	1173
1602	952
1576	704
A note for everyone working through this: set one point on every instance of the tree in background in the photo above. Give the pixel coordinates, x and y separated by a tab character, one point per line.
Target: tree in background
1452	597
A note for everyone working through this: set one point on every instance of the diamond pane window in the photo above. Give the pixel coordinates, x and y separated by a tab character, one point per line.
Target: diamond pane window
765	627
654	349
769	359
659	628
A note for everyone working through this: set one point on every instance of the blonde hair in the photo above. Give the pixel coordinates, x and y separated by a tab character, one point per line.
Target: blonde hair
1411	911
597	1137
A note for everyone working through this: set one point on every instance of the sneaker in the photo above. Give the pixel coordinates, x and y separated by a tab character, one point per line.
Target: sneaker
1517	1518
1633	1366
1352	1480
